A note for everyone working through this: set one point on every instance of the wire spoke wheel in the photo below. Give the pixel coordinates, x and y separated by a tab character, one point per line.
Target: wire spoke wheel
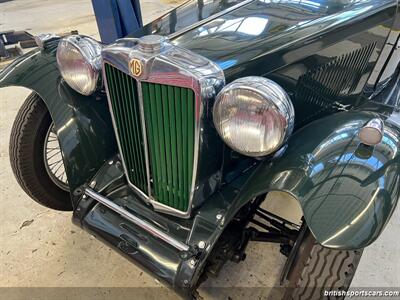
53	159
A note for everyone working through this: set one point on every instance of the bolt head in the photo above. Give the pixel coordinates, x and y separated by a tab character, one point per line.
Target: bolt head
93	184
202	244
218	217
192	262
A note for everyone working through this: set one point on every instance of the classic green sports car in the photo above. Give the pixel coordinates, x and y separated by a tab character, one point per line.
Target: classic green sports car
165	143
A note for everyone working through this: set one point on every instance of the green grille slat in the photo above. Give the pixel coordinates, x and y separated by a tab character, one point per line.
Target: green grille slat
179	163
167	144
174	157
169	114
125	105
170	122
161	151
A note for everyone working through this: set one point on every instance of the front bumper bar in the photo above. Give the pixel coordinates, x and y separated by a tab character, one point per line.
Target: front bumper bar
155	232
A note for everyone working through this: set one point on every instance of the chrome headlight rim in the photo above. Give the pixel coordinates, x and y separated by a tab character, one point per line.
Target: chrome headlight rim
277	98
90	51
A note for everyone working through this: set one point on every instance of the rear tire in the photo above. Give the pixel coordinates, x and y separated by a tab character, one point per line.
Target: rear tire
28	134
318	269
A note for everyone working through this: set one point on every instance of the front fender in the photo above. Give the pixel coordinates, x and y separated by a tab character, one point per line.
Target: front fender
83	123
347	192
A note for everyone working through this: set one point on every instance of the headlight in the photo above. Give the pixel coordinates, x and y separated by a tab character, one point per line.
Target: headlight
254	116
79	61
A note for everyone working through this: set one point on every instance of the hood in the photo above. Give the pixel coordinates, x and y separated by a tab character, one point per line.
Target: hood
242	35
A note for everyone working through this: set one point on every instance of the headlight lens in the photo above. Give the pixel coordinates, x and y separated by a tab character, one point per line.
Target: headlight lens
254	116
79	61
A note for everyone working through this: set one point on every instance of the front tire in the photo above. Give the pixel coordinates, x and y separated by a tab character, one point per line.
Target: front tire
27	155
317	269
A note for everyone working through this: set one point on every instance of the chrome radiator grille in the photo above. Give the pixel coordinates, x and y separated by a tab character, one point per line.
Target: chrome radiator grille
158	94
169	118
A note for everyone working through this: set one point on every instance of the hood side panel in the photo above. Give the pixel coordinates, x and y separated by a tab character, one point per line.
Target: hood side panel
263	36
321	52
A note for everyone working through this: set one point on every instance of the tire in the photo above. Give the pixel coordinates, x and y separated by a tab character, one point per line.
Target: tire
27	139
317	269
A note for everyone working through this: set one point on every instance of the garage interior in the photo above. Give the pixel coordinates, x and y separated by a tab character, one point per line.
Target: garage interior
41	247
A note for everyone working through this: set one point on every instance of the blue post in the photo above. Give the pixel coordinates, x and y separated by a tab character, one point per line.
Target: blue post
117	18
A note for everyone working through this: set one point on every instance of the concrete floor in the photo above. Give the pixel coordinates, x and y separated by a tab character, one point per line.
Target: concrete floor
40	247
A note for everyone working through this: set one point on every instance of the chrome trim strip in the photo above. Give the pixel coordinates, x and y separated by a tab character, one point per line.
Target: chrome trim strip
210	18
137	221
196	147
144	132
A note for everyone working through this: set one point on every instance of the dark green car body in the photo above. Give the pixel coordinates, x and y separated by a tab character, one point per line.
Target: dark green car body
326	56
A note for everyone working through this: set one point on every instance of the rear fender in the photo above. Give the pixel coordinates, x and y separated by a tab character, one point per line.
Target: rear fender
83	123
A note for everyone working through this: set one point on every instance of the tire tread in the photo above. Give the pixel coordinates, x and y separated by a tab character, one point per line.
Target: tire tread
322	269
30	119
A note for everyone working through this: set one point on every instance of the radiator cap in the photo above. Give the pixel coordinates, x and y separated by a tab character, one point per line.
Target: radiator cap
151	43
